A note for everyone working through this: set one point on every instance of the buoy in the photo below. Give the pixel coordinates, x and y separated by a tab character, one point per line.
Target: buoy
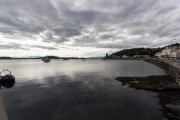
7	80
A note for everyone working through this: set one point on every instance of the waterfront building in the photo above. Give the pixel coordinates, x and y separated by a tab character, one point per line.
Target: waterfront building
137	56
145	56
158	54
173	51
178	53
125	56
115	57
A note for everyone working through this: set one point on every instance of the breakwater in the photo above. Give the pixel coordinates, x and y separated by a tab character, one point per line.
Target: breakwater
172	70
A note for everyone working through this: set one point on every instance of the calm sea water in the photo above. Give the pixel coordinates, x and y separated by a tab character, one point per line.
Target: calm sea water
79	90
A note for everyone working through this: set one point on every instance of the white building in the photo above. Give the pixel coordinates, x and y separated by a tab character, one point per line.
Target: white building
158	54
174	54
169	51
124	56
137	56
178	53
145	56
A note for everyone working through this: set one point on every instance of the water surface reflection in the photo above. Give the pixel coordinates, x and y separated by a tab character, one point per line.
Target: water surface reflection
85	91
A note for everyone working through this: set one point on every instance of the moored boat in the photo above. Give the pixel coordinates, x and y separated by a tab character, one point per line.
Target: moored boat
7	80
46	59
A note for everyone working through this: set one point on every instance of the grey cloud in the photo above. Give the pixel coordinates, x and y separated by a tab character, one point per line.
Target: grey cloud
21	16
44	47
4	30
66	32
52	36
20	25
84	21
116	46
48	35
17	46
14	46
123	44
107	36
166	9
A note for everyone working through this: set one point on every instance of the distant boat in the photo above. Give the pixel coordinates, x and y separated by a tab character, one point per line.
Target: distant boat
46	59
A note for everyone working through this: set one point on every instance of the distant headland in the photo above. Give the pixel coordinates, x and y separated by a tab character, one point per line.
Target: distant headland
166	51
51	57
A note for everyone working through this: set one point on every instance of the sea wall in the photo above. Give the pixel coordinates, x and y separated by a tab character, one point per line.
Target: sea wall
3	114
171	69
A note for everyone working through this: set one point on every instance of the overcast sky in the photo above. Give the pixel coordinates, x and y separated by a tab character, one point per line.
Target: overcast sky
85	28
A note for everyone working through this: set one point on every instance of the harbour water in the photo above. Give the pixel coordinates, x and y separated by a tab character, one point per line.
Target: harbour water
79	90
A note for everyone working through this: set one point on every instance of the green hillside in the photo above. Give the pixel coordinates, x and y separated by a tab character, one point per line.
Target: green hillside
138	51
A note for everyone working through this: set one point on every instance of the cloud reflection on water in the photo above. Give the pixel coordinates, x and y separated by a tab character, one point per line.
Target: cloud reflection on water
84	97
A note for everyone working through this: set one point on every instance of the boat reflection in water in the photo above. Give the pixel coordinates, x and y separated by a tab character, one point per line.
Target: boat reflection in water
7	80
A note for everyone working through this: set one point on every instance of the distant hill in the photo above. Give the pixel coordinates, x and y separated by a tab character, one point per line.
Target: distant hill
5	58
56	57
141	51
53	57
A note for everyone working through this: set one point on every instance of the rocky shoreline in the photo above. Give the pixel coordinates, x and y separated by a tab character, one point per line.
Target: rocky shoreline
153	83
172	70
166	86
